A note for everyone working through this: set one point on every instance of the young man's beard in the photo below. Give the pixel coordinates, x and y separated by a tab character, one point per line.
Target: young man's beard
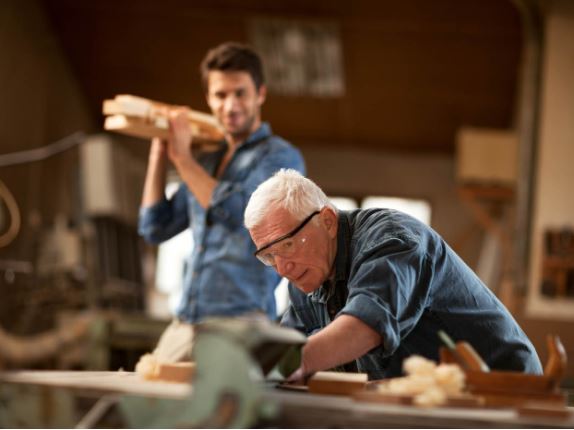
245	131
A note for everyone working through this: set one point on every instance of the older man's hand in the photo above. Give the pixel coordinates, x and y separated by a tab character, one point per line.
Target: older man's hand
299	376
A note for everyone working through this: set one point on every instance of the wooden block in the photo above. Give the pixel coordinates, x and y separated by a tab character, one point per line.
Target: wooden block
135	127
512	389
175	372
148	367
514	382
138	127
339	383
542	410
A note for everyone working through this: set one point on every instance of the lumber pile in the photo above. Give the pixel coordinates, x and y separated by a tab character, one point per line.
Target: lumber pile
141	117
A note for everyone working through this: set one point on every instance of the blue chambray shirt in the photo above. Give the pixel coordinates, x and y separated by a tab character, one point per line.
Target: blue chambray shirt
223	278
399	277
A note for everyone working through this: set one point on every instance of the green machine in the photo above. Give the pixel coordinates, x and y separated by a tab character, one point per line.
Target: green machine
235	360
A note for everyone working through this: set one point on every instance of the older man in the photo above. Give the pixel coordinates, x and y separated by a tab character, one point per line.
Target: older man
374	286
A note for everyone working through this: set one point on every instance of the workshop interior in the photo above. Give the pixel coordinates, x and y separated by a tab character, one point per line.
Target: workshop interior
457	112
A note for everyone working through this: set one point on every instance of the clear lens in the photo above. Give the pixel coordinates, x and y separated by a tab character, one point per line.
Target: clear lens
285	248
266	259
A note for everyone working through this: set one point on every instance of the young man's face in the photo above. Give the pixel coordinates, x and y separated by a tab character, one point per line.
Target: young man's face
235	102
305	258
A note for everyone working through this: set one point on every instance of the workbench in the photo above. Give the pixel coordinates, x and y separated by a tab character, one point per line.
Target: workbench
90	399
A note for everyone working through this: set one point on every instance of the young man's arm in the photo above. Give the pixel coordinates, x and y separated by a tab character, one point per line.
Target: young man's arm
345	339
154	185
198	181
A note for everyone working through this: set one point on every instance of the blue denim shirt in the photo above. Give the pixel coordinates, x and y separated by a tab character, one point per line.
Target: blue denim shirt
399	277
223	278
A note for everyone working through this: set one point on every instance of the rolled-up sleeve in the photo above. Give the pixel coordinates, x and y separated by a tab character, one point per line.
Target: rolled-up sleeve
165	219
229	199
386	292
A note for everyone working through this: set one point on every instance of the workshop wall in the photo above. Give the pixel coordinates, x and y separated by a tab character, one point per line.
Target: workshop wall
41	103
553	205
430	177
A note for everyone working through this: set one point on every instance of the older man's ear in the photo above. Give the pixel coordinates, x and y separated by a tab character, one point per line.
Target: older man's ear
329	220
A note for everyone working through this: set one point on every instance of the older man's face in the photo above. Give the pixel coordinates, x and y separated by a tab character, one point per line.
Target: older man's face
306	258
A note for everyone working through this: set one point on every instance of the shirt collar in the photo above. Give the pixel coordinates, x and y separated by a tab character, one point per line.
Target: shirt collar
341	264
263	132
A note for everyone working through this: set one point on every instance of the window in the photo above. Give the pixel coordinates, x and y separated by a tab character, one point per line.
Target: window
417	208
420	209
172	258
300	57
344	203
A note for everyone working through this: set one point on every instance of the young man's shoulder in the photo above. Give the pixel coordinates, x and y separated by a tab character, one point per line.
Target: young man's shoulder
279	143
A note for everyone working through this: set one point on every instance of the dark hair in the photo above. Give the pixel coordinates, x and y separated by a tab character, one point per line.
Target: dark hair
233	57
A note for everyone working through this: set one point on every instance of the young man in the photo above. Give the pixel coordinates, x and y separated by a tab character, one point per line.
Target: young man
373	287
223	278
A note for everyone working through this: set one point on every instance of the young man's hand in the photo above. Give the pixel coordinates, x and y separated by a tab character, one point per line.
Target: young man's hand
179	144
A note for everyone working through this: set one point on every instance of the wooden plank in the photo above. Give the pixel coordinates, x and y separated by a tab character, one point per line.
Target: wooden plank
338	383
141	117
108	382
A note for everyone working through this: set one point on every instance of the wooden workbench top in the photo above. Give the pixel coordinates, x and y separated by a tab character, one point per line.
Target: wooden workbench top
120	382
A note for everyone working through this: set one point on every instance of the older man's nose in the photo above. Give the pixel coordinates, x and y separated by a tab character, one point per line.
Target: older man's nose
283	266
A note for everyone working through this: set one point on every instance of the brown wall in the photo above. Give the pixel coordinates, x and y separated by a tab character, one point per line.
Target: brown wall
357	173
41	102
553	202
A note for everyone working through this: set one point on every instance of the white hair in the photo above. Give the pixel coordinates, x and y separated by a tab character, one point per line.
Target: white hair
287	189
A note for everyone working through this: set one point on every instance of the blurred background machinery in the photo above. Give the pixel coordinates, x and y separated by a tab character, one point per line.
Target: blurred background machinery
79	301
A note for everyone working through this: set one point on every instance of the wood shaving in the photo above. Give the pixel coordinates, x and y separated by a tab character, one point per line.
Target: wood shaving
429	384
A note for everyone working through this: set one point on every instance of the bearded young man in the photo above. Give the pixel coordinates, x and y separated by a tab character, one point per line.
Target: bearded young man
223	278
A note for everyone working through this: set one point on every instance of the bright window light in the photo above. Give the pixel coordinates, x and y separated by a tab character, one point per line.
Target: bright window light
344	203
420	209
172	258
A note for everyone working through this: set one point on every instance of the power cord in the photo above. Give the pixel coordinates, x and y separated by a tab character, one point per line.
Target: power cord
27	157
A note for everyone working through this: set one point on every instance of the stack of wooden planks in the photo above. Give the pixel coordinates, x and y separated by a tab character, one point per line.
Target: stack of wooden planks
141	117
